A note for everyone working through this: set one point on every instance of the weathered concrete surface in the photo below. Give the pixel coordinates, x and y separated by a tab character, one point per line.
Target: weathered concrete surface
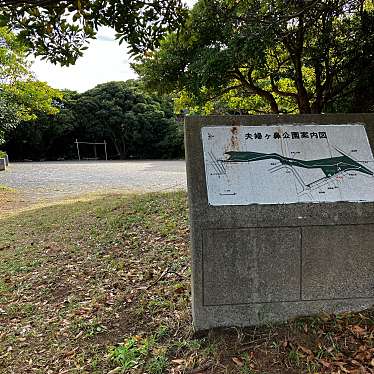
253	265
320	259
338	262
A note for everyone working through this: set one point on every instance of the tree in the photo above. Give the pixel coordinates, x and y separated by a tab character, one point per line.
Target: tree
133	123
49	136
280	56
22	97
60	30
8	116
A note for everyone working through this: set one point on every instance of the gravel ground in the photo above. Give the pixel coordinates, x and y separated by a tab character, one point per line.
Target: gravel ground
41	181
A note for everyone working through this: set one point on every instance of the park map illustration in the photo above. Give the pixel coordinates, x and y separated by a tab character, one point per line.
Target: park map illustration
287	164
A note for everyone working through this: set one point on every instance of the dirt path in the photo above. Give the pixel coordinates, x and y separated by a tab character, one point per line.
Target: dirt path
46	182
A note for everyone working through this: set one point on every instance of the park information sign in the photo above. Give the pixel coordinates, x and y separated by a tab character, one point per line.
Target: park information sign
286	164
282	216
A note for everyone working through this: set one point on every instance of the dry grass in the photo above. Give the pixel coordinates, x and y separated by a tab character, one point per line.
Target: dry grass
103	285
9	200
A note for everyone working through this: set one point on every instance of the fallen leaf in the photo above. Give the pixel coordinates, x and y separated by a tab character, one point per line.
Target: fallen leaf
306	351
238	361
326	364
116	370
358	330
178	361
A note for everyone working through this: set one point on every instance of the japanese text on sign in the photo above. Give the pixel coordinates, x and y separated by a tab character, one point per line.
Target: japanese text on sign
286	135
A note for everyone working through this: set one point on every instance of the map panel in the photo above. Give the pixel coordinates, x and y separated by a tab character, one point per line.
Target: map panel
285	164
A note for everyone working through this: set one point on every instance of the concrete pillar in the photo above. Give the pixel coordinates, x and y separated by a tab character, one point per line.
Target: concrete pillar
2	164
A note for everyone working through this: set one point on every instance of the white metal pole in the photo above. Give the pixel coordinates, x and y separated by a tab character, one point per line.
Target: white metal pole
79	156
106	155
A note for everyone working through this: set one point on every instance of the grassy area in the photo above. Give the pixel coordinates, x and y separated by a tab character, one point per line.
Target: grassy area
10	201
103	286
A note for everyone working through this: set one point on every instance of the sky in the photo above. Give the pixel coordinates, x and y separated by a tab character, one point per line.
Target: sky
105	60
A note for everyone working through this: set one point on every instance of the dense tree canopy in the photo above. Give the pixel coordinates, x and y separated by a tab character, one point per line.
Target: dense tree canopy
22	97
60	30
267	55
134	121
134	124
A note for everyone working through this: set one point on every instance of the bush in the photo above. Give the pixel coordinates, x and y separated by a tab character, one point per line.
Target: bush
2	154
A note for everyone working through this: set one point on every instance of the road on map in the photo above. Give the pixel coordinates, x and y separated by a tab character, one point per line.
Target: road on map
40	181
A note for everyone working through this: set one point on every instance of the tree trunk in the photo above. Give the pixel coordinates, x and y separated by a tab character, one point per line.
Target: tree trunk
316	108
253	89
273	104
116	145
123	150
302	94
317	105
295	49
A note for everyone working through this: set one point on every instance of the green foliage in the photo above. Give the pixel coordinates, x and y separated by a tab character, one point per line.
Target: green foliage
60	30
21	96
139	352
265	56
8	115
131	353
32	97
157	365
137	123
12	58
48	136
3	154
134	124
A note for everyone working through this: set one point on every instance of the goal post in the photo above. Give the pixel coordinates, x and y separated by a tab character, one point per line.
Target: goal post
94	144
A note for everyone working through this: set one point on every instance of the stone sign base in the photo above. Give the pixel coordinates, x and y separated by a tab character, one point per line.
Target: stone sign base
3	164
258	263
